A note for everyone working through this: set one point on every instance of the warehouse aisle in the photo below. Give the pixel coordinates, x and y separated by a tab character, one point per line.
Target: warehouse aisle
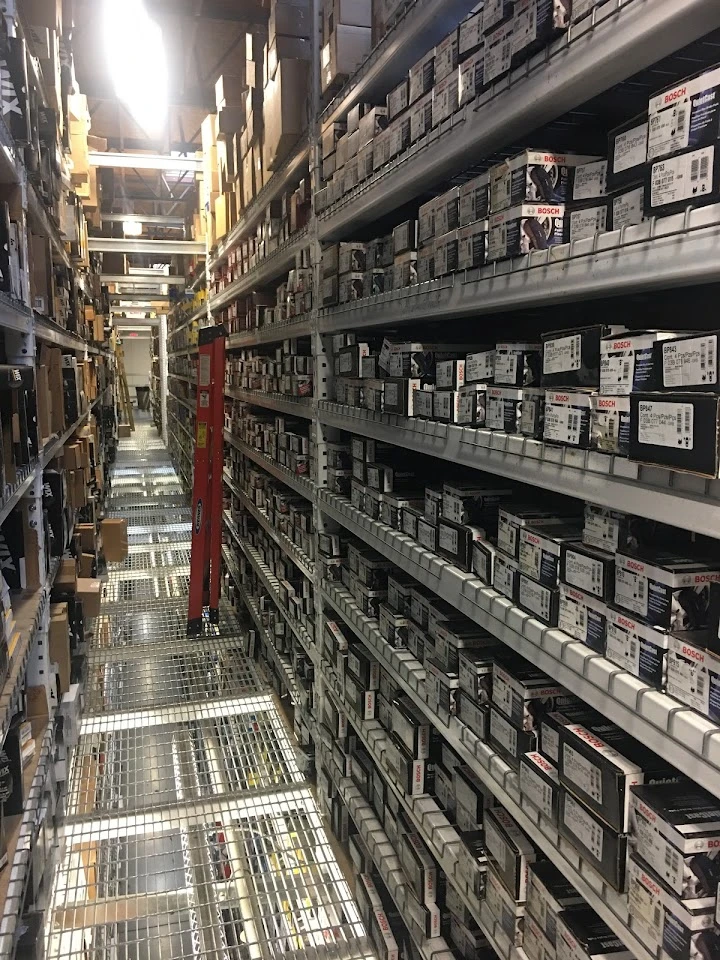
190	831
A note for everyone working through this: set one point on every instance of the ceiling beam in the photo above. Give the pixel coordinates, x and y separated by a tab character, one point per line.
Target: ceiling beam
161	221
140	281
140	161
202	98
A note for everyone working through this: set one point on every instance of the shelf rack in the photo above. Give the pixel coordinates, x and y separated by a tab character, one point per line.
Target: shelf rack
293	406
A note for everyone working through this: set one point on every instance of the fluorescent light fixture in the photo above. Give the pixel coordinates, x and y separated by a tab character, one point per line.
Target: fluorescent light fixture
133	228
136	55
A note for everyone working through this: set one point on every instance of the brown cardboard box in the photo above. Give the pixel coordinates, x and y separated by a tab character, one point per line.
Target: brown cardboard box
124	430
77	488
36	705
86	532
88	566
89	591
59	641
229	91
115	540
66	577
285	109
51	358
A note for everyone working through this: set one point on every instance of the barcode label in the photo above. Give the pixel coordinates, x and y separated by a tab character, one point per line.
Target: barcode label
582	773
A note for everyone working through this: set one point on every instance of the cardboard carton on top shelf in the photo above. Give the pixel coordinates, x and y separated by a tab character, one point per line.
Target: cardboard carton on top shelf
289	18
229	91
89	591
346	49
285	109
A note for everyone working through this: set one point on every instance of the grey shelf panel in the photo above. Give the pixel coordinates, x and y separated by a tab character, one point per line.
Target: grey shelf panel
294	406
608	481
678	734
14	315
299	327
268	270
658	254
302	485
621	38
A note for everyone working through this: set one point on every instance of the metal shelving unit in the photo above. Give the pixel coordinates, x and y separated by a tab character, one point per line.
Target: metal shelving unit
294	406
302	485
298	327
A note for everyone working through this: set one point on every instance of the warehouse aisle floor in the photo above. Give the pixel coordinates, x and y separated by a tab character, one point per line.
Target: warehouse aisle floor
190	831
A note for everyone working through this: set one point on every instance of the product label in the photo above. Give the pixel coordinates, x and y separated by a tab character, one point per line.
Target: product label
507	536
586	223
689	363
664	859
448	539
550	743
426	534
582	773
645	909
562	355
682	178
498	52
563	424
503	732
602	531
662	424
631	591
617	373
502	693
669	129
628	209
623	648
582	826
537	791
536	598
584	572
496	846
630	146
495	413
688	681
506	366
392	394
524	24
529	417
530	557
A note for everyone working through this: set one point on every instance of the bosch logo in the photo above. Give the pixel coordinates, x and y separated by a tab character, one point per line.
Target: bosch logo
622	345
496	393
634	565
693	654
549	158
628	624
707	578
647	813
675	94
532	539
498	219
561	398
650	884
607	403
713	844
549	211
575	595
541	762
588	737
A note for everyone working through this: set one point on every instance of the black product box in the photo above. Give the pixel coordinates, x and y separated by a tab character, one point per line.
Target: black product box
416	776
626	207
540	549
694	672
470	793
509	914
450	374
536	23
503	409
506	576
361	700
473	502
551	723
495	12
509	741
475	668
549	894
440	689
665	590
539	784
640	649
350	358
629	362
422	403
532	419
533	176
679	930
474	200
688	363
691	179
604	847
610	530
522	229
475	716
453	637
536	945
483	562
679	431
675	829
509	851
685	116
392	507
567	419
446	406
433	503
571	358
600	764
512	520
363	665
523	693
399	396
589	181
583	935
539	601
627	152
427	535
410	518
472	862
420	599
583	617
588	569
518	364
362	771
419	867
412	728
472	405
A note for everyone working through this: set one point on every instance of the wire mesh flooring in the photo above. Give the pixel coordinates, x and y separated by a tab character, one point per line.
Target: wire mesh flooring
190	831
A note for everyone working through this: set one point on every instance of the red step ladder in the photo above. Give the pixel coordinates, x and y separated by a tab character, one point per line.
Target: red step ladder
207	500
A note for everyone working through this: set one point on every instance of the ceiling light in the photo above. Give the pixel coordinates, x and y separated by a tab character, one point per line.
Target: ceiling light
136	56
133	228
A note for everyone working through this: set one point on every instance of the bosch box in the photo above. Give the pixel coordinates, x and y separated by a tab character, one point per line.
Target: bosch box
506	576
549	893
584	936
693	673
520	230
688	363
523	693
540	549
679	431
588	569
510	741
532	418
483	560
667	591
539	784
567	419
685	116
503	409
508	913
539	601
627	152
690	179
511	522
518	364
533	177
509	851
610	425
629	362
601	845
583	617
638	648
675	830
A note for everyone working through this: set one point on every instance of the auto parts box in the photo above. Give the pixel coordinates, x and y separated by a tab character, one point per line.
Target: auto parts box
549	893
583	617
689	179
522	229
603	846
588	569
627	152
510	852
688	363
539	784
571	358
637	647
584	936
568	419
518	364
629	362
685	116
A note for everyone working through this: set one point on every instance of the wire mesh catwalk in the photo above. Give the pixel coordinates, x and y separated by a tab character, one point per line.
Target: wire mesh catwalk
190	830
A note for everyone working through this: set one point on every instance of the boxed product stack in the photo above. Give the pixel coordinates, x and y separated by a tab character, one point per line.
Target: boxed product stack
510	855
672	871
347	39
280	438
288	372
512	400
285	102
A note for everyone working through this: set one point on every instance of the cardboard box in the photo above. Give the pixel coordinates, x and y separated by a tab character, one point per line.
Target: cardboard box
66	577
346	49
115	540
59	643
89	591
285	109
